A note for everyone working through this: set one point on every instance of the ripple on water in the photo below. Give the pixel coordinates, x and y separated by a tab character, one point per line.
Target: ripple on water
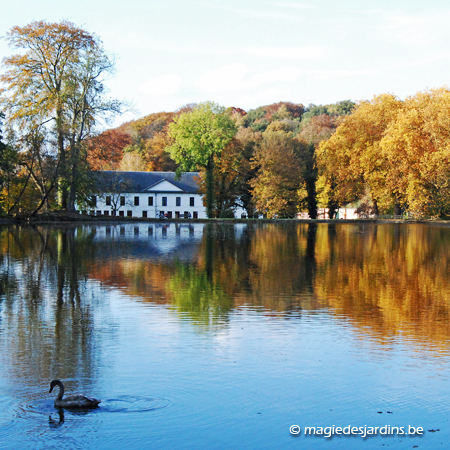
134	404
29	417
123	404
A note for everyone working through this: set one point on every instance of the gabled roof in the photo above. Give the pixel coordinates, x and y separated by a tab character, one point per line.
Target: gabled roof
159	186
136	182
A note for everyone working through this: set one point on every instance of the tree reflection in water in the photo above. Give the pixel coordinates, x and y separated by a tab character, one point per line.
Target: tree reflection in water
46	301
383	278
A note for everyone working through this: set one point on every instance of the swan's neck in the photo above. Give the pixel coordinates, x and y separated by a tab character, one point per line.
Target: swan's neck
61	391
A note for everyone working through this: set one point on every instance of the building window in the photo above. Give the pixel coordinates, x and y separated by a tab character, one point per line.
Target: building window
144	213
191	201
169	214
121	214
195	215
106	213
113	213
108	200
164	201
129	213
177	214
136	201
150	201
178	201
122	201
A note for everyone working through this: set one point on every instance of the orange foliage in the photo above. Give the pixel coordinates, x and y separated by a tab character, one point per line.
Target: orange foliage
155	155
105	150
294	110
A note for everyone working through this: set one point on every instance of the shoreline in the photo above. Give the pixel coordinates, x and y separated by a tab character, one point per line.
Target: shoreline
64	217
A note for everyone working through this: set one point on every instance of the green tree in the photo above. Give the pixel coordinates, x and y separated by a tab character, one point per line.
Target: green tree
57	80
198	136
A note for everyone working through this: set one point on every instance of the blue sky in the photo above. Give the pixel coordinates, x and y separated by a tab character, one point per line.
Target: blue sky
248	53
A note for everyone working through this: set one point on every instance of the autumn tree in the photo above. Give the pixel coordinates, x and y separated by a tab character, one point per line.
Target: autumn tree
417	148
105	151
314	131
230	179
155	154
351	162
342	108
198	136
249	140
132	162
283	110
318	128
8	169
278	178
39	162
57	81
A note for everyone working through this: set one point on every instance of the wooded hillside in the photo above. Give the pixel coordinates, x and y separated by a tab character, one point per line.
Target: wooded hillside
267	166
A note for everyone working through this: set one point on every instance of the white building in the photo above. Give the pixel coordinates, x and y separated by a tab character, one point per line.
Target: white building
341	213
149	195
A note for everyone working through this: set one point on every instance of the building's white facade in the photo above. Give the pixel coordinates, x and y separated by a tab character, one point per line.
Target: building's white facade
150	195
164	200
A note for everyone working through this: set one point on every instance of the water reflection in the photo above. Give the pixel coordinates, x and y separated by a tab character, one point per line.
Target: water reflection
386	279
45	306
389	278
56	423
206	326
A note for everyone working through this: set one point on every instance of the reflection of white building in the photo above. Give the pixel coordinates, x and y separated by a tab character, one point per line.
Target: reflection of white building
149	240
149	194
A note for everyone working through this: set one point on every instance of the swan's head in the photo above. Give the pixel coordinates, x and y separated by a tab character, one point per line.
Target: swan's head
53	384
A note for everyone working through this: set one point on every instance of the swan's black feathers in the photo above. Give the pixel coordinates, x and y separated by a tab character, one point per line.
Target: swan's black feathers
72	401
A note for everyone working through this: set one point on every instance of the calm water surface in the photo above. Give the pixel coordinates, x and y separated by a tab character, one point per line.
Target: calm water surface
222	337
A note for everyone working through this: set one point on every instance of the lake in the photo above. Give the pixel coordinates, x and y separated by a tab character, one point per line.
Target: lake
224	336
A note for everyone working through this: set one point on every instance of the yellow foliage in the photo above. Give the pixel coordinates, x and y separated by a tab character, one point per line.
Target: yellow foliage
397	151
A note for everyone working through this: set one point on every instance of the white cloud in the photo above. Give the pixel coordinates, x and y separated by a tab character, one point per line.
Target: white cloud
283	74
418	30
163	85
259	13
307	52
236	77
223	79
332	74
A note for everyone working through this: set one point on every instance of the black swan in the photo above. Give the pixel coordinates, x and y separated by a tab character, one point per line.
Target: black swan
72	401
